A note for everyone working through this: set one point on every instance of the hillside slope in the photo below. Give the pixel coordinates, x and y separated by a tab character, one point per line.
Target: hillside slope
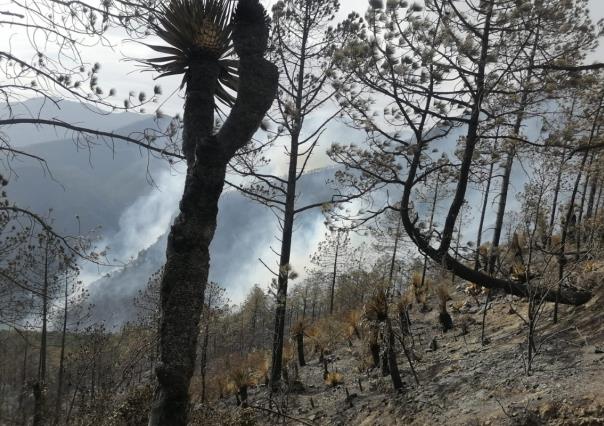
461	382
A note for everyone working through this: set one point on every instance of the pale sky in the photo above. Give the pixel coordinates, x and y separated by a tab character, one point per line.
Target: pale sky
125	76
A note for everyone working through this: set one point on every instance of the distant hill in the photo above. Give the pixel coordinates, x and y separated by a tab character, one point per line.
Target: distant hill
95	184
111	187
245	232
22	135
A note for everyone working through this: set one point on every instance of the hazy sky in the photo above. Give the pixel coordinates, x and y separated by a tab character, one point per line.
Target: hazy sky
125	76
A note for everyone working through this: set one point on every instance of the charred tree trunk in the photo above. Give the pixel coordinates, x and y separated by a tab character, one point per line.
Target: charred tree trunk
334	275
579	236
38	392
288	223
204	351
440	254
509	164
485	202
395	375
565	227
300	345
43	335
592	196
430	223
552	219
59	395
187	254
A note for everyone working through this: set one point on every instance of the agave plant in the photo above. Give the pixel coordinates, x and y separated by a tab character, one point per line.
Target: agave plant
197	30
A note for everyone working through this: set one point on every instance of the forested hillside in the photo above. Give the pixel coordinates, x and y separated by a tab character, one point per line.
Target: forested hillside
220	212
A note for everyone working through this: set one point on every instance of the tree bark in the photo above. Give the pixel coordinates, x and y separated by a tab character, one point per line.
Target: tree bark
300	344
505	184
334	275
565	227
440	255
59	395
187	254
395	375
485	203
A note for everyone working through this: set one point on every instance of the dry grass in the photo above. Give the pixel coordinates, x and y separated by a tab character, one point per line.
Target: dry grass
443	294
351	321
376	308
405	301
420	290
325	334
259	364
299	327
334	378
288	353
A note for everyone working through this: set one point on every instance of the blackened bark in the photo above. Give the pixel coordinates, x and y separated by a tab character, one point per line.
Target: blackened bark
592	196
579	236
505	184
281	305
441	255
184	279
552	219
485	203
334	276
38	391
59	395
300	344
503	196
187	254
289	216
384	363
43	335
374	348
204	350
565	226
395	375
430	223
565	231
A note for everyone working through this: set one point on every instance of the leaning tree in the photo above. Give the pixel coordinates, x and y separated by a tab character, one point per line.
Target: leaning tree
431	70
202	39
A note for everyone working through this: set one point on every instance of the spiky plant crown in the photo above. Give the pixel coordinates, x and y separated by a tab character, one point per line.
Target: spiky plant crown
197	30
334	378
299	328
376	308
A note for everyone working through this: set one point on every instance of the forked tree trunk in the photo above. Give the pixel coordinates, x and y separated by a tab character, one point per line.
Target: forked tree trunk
187	254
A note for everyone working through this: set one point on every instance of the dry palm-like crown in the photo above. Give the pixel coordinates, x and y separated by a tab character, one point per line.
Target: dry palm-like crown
192	30
376	308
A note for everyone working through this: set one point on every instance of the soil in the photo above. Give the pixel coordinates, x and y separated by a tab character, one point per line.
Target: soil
462	382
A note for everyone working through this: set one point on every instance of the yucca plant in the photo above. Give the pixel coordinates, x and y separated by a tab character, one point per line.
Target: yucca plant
196	30
334	379
219	48
403	306
376	308
351	321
